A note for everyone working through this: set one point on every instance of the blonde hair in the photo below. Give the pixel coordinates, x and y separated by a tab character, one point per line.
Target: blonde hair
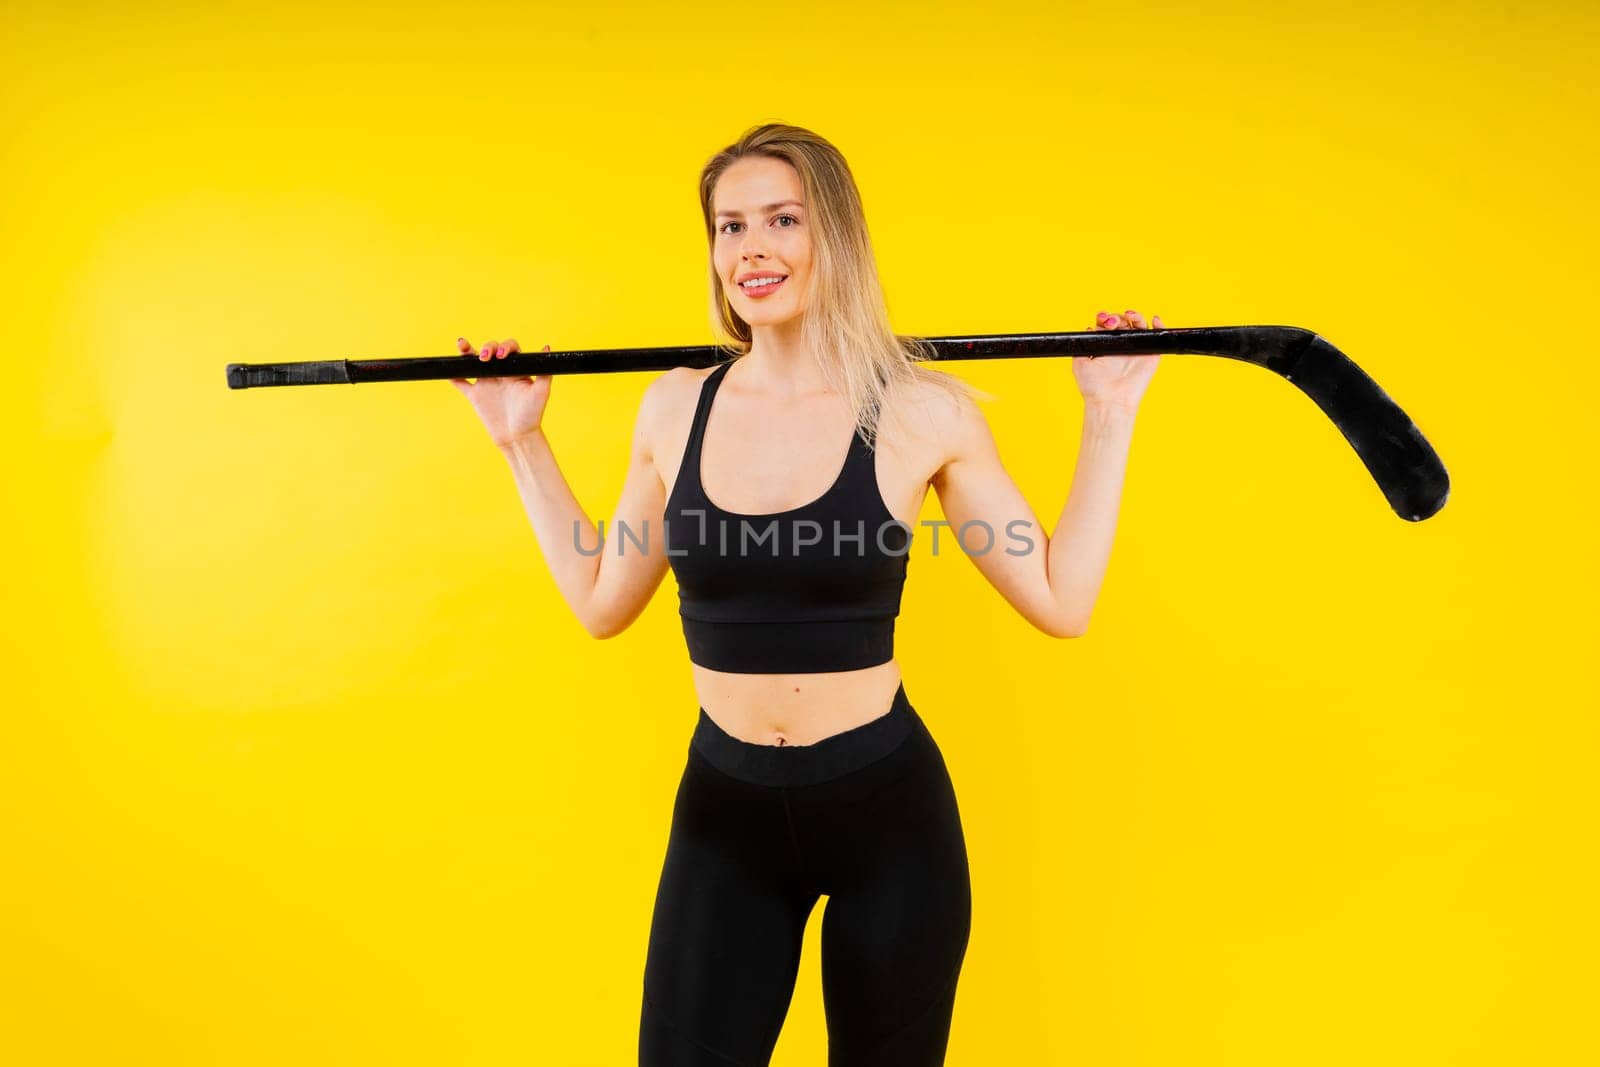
846	321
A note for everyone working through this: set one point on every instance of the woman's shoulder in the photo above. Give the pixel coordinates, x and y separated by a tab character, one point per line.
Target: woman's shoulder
672	386
674	392
933	400
667	406
935	416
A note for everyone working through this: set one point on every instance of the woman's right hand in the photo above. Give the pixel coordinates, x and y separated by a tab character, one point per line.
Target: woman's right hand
510	407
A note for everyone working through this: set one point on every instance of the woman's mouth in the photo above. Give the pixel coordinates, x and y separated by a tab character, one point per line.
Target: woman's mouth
762	287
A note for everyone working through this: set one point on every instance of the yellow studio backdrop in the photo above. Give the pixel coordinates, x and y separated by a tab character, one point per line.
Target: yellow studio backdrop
306	762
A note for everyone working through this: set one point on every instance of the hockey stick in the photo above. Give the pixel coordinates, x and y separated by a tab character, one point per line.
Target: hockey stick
1399	458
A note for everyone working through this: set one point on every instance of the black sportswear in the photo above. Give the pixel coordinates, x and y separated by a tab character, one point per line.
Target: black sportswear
867	817
812	589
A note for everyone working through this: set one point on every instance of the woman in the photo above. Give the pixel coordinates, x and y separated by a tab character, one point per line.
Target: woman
808	771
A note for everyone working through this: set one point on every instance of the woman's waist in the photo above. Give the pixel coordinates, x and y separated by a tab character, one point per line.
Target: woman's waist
795	709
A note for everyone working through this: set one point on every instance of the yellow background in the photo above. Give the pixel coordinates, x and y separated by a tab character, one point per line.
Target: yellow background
306	762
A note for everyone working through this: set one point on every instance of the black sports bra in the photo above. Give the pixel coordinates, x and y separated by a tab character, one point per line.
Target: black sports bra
812	589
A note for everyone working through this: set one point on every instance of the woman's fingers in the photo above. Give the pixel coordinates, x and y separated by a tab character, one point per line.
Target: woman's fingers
466	349
500	349
492	350
1129	320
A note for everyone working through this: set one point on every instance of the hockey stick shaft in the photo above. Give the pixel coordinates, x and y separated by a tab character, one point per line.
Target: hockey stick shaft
1219	341
1399	458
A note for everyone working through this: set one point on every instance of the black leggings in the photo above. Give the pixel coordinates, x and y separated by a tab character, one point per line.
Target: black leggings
868	817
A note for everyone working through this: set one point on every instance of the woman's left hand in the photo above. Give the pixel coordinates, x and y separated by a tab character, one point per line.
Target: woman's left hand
1116	381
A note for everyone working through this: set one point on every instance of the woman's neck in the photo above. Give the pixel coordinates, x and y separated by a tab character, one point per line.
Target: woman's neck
781	364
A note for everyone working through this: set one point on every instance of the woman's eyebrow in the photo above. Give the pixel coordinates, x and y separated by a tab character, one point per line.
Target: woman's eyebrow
769	207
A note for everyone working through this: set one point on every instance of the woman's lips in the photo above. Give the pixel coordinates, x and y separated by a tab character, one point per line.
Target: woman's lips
762	291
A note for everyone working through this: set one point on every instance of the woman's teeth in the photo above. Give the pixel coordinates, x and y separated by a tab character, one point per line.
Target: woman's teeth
760	283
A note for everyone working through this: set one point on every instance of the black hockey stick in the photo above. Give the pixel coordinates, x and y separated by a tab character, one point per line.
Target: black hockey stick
1401	461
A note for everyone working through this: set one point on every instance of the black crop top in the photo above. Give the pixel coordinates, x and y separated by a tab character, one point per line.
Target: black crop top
812	589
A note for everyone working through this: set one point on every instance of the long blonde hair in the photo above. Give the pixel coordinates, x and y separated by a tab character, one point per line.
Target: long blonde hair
846	321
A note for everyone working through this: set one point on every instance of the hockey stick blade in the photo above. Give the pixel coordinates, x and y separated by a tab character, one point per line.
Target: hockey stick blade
1400	459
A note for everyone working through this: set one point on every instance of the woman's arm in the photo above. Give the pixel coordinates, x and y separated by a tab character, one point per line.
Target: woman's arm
606	591
1080	548
1052	580
1054	584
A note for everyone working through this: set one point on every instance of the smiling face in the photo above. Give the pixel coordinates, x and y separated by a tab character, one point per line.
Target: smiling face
762	228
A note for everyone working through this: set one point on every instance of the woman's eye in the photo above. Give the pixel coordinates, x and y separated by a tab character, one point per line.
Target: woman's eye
791	218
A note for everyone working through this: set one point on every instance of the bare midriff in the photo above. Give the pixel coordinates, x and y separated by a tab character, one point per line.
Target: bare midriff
795	709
